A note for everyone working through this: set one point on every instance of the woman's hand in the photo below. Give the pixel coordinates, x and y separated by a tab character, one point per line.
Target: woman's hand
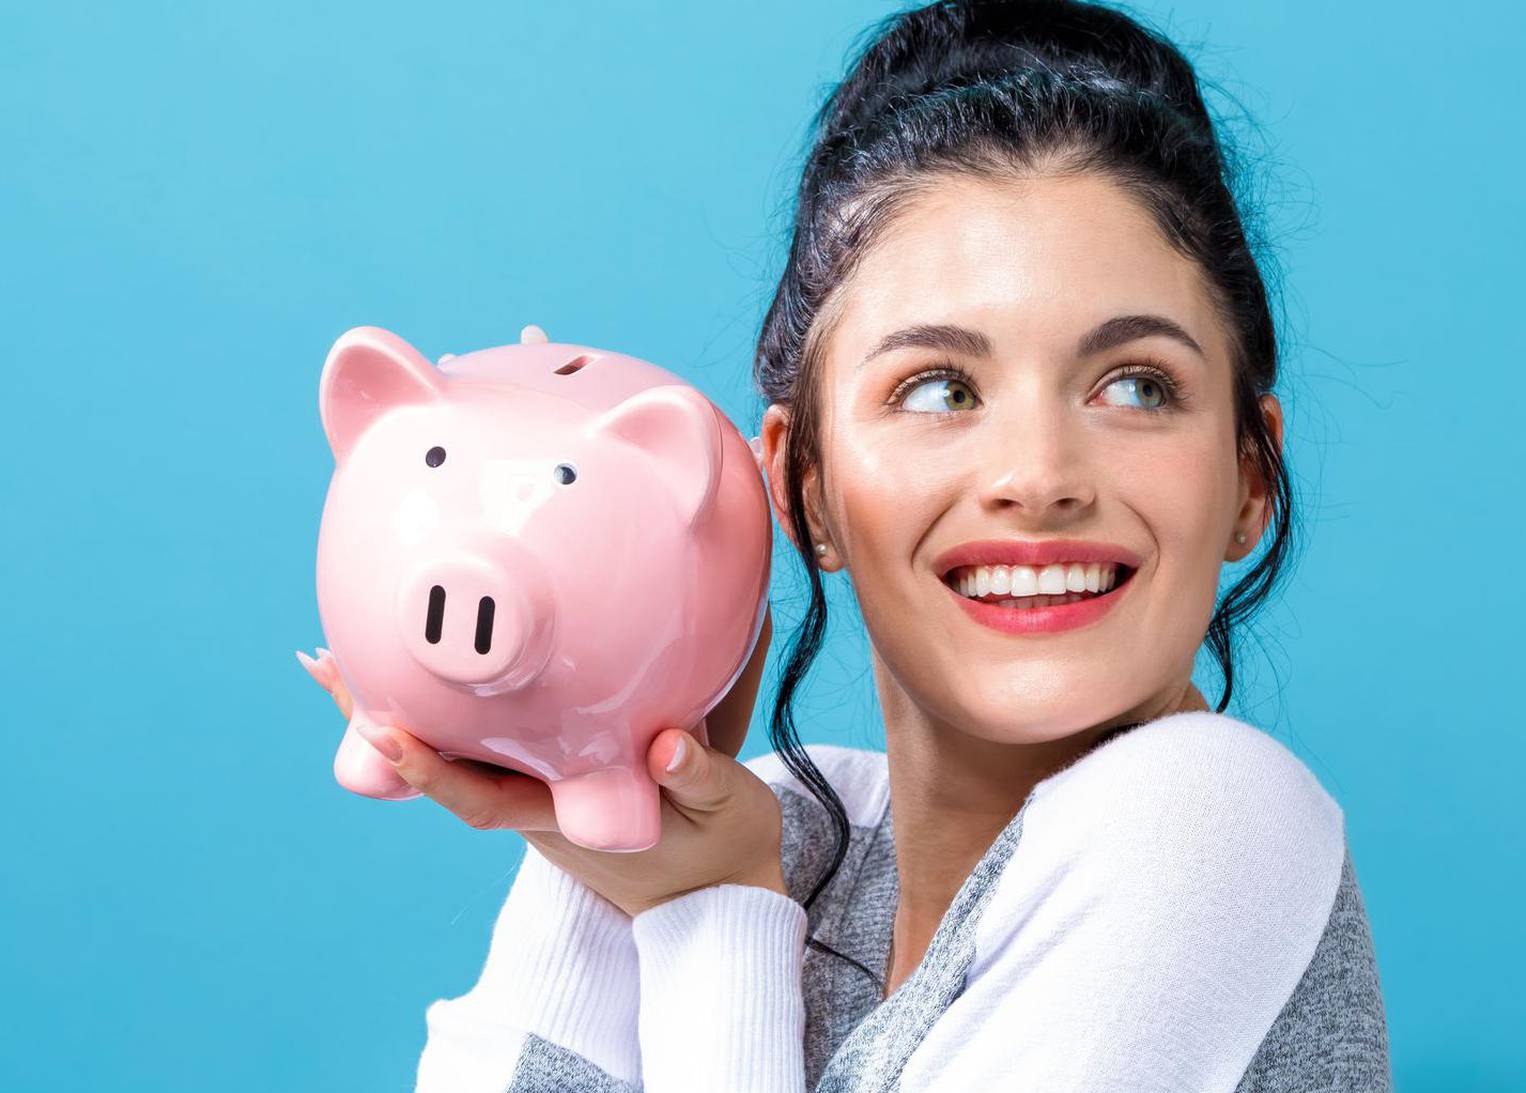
720	823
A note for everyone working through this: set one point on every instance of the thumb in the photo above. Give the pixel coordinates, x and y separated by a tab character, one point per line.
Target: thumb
698	779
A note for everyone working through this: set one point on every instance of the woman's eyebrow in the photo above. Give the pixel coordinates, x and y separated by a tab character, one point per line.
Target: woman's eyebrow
954	339
960	339
1125	328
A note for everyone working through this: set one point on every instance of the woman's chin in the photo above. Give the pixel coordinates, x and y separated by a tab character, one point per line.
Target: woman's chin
1016	716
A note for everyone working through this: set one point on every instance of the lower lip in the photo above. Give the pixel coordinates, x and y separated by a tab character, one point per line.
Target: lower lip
1043	620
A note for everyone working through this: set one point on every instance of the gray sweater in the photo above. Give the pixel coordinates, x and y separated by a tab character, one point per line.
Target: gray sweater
1177	910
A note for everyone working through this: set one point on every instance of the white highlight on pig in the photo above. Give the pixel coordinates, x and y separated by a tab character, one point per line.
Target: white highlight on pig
510	490
416	518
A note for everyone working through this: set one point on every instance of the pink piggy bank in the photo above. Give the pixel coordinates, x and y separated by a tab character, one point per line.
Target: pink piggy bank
538	556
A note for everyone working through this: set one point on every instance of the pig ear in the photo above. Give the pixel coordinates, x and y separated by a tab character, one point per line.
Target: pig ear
677	426
368	372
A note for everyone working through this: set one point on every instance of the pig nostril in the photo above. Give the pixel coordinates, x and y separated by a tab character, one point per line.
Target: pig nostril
436	620
485	624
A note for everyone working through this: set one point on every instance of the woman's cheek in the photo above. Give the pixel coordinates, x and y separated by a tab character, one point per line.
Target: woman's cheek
1187	502
880	488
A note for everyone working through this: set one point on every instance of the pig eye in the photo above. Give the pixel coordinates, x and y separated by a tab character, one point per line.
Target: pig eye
566	473
435	456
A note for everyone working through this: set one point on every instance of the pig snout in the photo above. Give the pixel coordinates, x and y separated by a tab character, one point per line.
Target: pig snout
472	620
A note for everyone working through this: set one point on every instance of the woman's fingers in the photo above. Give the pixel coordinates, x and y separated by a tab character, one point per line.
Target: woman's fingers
483	801
325	671
340	692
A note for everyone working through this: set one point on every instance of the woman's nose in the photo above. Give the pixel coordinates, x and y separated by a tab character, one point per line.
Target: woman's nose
1037	463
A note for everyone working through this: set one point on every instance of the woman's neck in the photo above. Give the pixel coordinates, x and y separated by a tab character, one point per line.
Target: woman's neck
951	794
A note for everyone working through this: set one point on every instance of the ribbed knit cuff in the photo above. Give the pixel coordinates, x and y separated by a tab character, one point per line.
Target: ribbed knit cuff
721	1001
569	968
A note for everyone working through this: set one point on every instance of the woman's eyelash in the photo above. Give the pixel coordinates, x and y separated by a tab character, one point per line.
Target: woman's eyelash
1175	397
947	370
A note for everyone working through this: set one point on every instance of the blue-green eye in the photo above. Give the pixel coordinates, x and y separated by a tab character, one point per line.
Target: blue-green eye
1151	388
950	387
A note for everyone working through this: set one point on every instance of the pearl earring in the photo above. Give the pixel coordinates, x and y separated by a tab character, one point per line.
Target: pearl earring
821	548
1239	536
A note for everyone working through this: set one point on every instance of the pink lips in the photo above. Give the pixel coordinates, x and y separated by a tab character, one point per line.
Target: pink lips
1038	620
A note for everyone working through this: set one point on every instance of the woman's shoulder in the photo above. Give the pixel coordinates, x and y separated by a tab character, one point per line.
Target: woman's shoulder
1201	777
1196	827
808	836
1196	862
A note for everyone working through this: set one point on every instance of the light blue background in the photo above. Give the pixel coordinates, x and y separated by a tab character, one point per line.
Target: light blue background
195	200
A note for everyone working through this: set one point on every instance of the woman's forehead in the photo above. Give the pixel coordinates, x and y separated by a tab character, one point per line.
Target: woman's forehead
1031	258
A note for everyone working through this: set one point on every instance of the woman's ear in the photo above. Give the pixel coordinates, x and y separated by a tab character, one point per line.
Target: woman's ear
773	440
1255	498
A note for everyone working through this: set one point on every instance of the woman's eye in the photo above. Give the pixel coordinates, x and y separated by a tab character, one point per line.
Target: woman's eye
1150	391
949	393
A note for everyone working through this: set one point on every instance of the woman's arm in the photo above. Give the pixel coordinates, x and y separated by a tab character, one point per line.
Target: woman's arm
1140	925
556	1004
721	1001
1332	1033
1162	902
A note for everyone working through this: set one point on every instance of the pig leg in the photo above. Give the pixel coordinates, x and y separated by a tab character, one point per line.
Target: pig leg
362	769
618	809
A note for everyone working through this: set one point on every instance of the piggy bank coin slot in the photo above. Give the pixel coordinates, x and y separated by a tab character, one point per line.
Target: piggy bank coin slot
574	364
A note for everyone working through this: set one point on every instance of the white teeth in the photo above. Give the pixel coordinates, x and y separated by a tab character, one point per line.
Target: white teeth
1020	581
1040	601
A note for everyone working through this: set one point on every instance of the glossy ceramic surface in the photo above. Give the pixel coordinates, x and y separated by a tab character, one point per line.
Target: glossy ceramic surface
536	555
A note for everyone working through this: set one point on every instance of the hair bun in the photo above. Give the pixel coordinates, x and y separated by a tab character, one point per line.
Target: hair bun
957	43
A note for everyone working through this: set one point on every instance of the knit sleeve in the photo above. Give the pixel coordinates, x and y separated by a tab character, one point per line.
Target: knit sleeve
1161	903
555	1006
1332	1033
721	999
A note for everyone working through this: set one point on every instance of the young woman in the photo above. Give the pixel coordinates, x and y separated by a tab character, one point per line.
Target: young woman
1019	373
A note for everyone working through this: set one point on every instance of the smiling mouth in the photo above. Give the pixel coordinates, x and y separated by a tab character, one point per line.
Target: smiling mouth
1018	591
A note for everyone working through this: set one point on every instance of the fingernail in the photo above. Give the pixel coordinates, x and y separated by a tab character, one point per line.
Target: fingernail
311	665
678	754
380	739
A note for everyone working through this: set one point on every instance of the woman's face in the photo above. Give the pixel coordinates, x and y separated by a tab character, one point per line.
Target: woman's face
1047	440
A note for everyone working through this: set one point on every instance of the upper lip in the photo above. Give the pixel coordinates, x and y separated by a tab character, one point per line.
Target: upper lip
1034	552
